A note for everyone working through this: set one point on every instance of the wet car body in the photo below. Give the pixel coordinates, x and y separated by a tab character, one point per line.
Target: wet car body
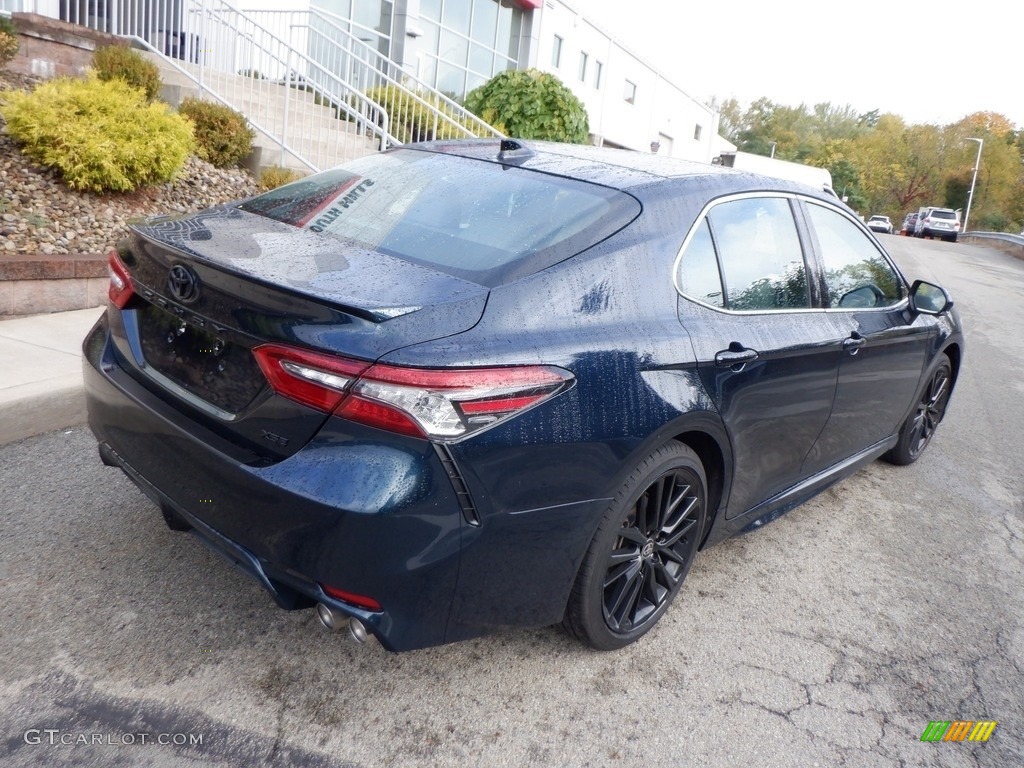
428	541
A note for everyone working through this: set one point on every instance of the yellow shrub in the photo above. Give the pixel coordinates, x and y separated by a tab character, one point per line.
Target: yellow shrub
413	121
9	41
101	136
223	135
9	45
123	63
276	176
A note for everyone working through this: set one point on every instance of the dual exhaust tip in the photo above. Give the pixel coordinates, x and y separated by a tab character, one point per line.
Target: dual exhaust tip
333	620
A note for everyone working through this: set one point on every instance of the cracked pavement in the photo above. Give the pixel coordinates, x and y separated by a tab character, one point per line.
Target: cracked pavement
828	638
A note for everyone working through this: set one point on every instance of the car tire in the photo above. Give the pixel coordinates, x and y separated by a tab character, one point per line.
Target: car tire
917	431
637	561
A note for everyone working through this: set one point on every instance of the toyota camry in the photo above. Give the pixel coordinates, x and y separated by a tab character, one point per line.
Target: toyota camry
456	387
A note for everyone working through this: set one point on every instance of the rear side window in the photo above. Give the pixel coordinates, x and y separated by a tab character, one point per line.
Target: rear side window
760	263
478	220
698	270
857	276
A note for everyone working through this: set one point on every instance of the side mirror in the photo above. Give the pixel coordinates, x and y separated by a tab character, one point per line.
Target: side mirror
929	299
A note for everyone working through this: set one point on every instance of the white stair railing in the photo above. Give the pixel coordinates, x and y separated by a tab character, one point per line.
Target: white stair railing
315	118
418	112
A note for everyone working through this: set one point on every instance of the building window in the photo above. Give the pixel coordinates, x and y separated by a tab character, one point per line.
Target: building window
696	132
556	52
598	70
464	44
583	66
629	92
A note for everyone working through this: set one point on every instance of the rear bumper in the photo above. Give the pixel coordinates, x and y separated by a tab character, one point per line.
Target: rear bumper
349	510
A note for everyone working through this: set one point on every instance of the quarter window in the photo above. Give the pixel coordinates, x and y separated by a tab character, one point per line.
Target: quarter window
698	269
857	276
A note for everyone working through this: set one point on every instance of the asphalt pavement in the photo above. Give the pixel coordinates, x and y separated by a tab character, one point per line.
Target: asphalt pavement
832	637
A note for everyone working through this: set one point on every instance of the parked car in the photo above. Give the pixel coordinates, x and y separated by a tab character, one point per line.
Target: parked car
909	222
938	222
461	386
879	223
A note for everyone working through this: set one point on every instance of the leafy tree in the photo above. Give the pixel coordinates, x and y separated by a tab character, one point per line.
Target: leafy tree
730	117
530	104
883	165
869	119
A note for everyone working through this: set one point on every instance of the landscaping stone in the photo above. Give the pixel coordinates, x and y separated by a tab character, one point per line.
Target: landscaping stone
39	214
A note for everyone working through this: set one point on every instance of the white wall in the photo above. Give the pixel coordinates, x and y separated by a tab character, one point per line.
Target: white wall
661	108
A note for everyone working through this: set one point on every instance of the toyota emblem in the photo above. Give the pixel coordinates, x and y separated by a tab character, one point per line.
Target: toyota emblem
183	284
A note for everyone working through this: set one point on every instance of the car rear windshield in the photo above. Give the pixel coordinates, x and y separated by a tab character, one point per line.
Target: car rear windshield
478	220
943	214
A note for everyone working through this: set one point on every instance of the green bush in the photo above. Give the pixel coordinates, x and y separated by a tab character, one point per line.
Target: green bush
276	176
530	104
411	120
100	135
119	62
9	41
222	135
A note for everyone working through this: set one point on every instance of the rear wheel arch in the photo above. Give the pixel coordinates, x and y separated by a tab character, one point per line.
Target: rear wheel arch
704	434
713	459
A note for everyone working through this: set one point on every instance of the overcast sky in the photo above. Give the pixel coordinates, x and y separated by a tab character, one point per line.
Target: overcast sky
930	62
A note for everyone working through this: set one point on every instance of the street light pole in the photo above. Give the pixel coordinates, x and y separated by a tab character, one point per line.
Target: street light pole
974	179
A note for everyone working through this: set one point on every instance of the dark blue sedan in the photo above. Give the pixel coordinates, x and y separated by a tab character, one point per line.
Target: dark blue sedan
456	387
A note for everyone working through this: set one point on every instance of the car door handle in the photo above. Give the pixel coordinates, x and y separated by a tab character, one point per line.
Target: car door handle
853	344
735	356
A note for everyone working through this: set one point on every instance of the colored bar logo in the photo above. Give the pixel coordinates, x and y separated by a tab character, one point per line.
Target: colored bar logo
958	730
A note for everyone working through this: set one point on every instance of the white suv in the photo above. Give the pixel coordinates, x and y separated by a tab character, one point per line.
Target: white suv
938	222
879	223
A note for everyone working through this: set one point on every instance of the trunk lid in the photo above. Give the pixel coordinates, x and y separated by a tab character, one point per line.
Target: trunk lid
211	286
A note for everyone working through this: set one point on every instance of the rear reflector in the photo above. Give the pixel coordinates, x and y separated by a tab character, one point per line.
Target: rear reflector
360	601
436	403
121	288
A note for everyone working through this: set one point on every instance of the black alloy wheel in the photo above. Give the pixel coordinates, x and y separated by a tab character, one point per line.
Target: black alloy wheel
919	428
642	551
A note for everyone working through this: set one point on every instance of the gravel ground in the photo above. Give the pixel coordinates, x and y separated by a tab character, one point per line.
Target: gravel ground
39	214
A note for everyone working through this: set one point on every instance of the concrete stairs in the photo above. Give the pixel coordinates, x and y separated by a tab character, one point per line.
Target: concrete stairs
313	131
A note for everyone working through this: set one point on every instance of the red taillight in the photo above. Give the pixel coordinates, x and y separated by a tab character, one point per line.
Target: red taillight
360	601
317	380
448	403
439	404
121	289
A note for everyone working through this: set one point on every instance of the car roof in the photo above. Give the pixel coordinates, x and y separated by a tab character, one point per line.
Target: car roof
622	169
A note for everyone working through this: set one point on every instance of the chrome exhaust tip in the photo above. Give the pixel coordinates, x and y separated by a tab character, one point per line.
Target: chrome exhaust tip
329	618
357	630
333	621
